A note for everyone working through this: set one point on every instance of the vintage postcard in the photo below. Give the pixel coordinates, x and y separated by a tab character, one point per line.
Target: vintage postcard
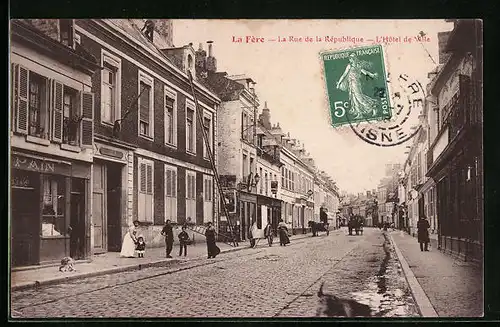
169	168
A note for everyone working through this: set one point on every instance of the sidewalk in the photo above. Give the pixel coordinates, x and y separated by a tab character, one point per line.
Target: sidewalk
111	262
441	285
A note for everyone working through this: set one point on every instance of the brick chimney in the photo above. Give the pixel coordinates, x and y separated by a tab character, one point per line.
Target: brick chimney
211	61
265	117
201	60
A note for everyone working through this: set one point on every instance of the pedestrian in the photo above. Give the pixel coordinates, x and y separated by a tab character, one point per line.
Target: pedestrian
140	246
129	240
283	232
268	233
212	248
169	237
184	241
423	233
252	233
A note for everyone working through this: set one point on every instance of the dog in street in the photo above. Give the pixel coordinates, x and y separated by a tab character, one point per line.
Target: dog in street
67	264
333	306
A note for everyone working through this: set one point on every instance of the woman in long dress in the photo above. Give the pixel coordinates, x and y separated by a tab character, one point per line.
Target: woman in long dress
350	81
128	245
212	248
283	232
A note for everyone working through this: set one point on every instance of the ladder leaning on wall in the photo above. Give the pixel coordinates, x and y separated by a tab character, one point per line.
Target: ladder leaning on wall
228	239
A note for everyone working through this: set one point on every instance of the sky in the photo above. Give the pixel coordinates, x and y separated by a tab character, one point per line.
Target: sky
289	78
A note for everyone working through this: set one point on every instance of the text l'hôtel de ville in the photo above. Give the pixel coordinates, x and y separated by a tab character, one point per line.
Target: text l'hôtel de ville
330	39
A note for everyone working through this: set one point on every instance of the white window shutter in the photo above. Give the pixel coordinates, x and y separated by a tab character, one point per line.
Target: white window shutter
142	177
57	111
87	122
22	99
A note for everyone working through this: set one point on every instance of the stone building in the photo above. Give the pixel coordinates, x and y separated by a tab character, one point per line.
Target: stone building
249	156
51	142
455	156
151	163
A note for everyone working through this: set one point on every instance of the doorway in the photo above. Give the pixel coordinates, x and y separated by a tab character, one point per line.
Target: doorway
114	208
77	219
25	222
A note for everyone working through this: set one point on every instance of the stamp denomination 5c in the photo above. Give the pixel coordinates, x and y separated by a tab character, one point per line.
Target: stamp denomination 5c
356	85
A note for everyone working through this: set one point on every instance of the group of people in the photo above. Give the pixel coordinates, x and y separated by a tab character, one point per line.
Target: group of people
135	244
269	234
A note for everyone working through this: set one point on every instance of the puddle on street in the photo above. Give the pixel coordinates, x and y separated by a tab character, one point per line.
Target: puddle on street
381	295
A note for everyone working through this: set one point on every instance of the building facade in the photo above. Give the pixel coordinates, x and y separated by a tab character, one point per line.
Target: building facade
249	156
455	156
51	142
151	162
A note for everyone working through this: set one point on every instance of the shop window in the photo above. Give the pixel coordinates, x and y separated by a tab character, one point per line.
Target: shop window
53	212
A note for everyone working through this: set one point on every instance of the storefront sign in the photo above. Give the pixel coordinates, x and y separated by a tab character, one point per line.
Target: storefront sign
40	165
21	180
228	181
111	153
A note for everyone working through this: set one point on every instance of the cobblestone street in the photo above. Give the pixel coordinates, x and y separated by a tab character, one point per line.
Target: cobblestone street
262	282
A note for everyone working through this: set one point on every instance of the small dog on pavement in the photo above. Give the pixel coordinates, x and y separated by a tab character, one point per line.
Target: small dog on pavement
332	306
67	264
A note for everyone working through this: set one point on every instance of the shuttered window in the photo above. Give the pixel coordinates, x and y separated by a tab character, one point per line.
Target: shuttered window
48	109
146	191
169	120
146	119
207	126
171	193
191	195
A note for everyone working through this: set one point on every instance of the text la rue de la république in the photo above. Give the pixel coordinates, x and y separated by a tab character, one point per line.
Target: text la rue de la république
329	39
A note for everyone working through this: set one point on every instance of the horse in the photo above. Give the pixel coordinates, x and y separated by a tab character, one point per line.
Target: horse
318	227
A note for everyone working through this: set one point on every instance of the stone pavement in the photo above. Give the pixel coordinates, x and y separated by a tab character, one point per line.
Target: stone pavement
453	287
111	262
264	282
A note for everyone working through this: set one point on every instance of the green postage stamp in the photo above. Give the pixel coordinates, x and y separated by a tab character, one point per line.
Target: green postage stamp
356	83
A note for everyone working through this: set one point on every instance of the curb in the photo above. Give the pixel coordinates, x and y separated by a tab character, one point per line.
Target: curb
423	303
109	271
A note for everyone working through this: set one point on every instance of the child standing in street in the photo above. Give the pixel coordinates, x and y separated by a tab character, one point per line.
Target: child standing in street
183	240
140	247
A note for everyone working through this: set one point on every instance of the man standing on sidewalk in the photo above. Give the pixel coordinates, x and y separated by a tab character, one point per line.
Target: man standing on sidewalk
169	237
423	233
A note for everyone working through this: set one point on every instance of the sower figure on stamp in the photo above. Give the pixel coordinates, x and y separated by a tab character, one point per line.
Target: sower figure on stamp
423	233
169	238
350	81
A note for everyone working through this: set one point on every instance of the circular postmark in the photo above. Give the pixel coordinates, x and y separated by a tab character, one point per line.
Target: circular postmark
407	103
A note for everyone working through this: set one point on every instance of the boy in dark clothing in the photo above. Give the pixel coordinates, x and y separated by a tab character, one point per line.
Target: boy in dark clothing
183	240
169	237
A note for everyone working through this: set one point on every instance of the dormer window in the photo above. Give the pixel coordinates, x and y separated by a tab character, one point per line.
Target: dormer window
66	32
190	62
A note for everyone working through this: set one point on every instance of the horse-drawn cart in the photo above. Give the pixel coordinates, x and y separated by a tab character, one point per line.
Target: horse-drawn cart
356	224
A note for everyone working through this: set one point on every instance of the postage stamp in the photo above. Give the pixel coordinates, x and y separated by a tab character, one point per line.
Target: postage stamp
356	85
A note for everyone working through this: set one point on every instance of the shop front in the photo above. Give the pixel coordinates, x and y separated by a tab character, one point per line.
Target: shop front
247	212
50	209
111	194
268	209
305	213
